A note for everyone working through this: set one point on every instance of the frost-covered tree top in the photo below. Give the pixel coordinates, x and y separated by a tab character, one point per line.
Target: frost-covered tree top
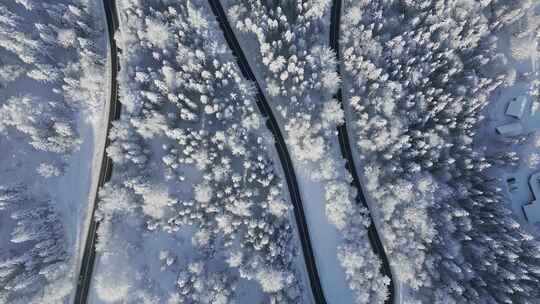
421	74
52	57
193	153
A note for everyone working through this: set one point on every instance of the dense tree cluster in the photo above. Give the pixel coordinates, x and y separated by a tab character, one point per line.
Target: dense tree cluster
192	158
420	73
37	272
297	64
46	123
59	52
198	285
51	70
300	77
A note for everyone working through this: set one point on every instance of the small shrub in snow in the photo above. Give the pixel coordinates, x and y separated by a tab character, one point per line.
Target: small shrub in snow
270	280
111	285
49	170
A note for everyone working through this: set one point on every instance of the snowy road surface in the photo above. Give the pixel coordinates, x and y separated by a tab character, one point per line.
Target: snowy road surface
85	274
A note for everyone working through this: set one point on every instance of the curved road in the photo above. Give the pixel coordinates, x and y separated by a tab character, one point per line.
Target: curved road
284	157
87	264
345	147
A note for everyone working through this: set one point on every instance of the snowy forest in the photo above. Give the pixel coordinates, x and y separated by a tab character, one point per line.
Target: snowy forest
51	71
195	200
201	206
299	73
418	77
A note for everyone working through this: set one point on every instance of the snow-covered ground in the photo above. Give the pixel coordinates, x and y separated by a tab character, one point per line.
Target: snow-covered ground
359	161
296	70
522	52
99	124
52	90
418	78
195	210
325	238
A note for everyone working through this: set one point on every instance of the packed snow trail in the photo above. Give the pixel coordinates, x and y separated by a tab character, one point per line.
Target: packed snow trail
284	156
345	147
87	264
